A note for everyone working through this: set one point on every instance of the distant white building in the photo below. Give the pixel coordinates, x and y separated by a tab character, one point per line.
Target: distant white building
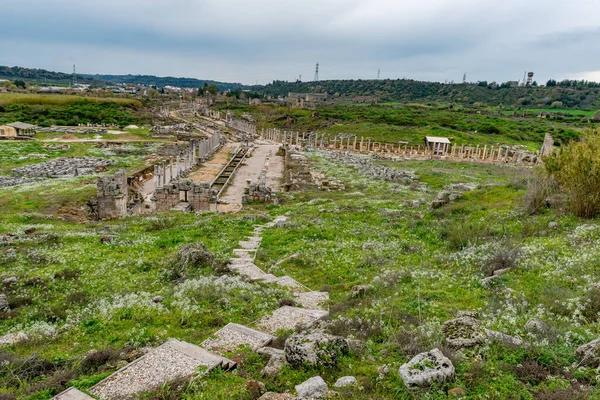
438	145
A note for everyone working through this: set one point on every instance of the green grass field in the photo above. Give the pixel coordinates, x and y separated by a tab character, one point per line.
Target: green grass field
421	267
61	100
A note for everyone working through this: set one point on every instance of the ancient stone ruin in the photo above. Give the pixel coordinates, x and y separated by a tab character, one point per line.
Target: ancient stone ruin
113	195
64	167
192	196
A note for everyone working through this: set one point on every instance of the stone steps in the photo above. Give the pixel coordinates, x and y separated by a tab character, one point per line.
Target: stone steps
248	245
288	317
289	282
232	336
72	394
167	363
312	300
248	270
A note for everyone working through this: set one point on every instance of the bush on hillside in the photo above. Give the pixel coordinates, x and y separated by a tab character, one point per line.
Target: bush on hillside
576	170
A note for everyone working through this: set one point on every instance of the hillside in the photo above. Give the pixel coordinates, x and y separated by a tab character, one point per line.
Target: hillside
151	80
404	90
42	76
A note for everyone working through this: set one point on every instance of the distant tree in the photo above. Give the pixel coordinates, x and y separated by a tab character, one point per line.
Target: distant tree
557	104
596	117
212	88
551	83
534	83
200	92
482	83
20	84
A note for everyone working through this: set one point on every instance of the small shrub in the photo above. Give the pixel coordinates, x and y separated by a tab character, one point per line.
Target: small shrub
506	256
592	304
576	170
95	360
67	274
540	189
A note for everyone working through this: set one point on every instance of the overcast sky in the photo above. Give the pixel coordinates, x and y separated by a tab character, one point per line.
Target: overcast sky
261	40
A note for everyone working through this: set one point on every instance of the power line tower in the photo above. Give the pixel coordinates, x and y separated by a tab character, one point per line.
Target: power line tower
525	78
317	73
74	77
378	73
465	78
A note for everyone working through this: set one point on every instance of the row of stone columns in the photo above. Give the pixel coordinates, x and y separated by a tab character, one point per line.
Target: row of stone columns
169	170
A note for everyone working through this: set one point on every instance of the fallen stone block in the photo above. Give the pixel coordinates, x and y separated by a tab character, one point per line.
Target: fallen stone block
172	361
287	317
426	368
232	336
345	381
463	332
313	388
72	394
312	300
315	349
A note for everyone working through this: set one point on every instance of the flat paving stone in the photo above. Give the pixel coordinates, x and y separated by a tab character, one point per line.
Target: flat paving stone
240	261
289	317
169	362
233	336
256	239
244	253
248	270
312	300
247	245
289	282
72	394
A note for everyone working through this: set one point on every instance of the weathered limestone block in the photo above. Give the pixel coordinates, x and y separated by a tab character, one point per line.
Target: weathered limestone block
314	388
589	353
463	332
345	381
315	349
426	368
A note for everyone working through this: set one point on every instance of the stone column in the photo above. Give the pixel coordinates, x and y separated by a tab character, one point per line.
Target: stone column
171	169
164	170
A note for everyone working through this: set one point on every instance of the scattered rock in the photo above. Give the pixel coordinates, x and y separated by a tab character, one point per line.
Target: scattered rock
314	349
536	325
194	255
314	388
366	166
29	231
274	366
426	368
553	225
383	369
454	196
157	299
469	314
503	338
225	303
276	396
502	271
345	381
13	338
107	239
457	393
356	345
463	332
4	303
589	354
490	281
359	290
64	166
10	281
255	388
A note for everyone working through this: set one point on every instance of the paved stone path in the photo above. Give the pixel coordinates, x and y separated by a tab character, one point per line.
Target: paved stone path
176	360
251	171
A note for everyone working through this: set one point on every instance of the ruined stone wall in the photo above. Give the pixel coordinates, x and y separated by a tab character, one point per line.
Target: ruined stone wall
168	196
113	195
